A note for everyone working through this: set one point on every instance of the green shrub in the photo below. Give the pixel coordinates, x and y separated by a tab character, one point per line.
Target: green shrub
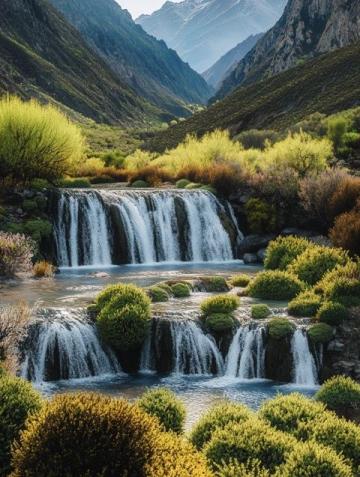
260	312
342	285
139	184
30	206
38	229
16	252
306	304
158	294
182	183
218	322
240	280
36	141
180	290
220	304
320	333
79	183
282	251
251	468
275	285
214	284
209	188
165	287
218	418
339	392
312	459
261	216
280	328
18	400
41	203
312	264
39	184
290	413
164	405
124	295
192	186
252	439
332	313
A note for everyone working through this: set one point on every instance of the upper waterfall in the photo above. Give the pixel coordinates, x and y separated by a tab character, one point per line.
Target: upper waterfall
104	227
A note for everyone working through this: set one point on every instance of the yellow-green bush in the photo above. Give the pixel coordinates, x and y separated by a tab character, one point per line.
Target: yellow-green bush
251	468
261	216
36	141
240	280
320	333
341	285
18	400
260	312
220	322
339	392
282	251
306	304
332	313
158	294
280	327
220	304
164	405
275	285
312	459
214	284
180	290
124	294
138	160
217	418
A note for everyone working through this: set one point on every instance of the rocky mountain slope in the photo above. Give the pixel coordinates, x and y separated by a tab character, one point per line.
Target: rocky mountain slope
144	63
42	56
223	67
306	29
327	84
202	31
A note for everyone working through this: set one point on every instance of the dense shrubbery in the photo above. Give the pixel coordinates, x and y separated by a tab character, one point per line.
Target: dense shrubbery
341	285
261	216
16	252
219	322
181	290
220	304
320	333
164	405
282	251
280	328
18	400
332	313
340	392
306	304
275	285
260	312
251	468
214	284
158	294
240	280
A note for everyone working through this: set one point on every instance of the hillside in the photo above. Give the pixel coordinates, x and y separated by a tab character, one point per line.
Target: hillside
202	31
223	67
42	56
307	29
144	63
326	84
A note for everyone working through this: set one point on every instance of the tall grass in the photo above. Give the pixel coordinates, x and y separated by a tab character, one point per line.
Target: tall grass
36	141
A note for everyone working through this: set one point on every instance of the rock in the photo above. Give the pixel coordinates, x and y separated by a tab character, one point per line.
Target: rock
99	275
321	240
250	258
261	255
253	243
335	346
298	232
278	360
28	194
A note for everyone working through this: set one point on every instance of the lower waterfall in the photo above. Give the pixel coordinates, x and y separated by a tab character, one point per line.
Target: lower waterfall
304	371
65	345
104	227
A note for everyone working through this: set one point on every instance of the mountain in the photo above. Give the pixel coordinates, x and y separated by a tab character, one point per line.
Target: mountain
326	84
223	67
143	62
42	56
306	29
202	31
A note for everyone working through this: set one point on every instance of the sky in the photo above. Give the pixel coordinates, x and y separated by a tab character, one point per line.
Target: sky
137	7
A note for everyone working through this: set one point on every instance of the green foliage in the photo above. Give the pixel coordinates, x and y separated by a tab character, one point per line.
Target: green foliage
312	459
124	295
220	322
193	185
216	418
260	216
341	285
164	405
158	294
275	285
182	183
320	333
306	304
240	280
36	141
339	392
332	313
260	312
214	284
139	184
39	184
180	290
312	265
18	400
220	304
291	413
38	229
113	158
252	439
79	183
29	206
336	129
164	286
280	328
257	138
251	468
16	252
284	250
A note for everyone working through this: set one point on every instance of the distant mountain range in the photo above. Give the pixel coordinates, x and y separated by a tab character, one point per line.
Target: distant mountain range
223	67
202	31
147	65
306	29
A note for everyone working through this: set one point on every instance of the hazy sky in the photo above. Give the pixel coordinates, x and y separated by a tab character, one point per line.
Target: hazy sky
137	7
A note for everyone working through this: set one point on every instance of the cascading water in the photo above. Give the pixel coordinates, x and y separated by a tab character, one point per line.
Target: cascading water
246	355
304	372
65	345
103	227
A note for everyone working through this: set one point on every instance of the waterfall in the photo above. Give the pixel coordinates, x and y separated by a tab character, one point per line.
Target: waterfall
246	355
98	228
65	345
304	371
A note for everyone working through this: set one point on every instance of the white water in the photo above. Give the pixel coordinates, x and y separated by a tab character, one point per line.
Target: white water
246	355
304	371
152	228
69	342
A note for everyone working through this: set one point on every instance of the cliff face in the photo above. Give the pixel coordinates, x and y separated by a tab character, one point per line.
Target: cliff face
306	29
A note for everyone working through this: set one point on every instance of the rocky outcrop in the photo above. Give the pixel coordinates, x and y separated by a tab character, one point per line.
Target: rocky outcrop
306	29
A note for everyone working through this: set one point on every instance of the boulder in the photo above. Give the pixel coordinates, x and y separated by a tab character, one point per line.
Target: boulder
250	258
253	243
261	255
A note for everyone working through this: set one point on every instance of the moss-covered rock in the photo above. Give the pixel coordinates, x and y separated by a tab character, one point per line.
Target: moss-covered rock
275	285
280	327
260	312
